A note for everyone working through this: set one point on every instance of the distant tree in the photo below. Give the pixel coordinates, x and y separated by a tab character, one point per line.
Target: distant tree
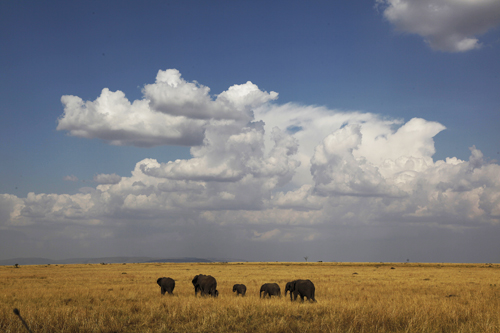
16	265
306	257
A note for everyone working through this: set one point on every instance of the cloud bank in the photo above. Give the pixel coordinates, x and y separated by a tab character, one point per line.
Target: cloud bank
446	25
269	172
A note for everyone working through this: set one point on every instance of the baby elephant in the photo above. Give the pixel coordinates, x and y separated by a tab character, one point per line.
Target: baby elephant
167	285
240	289
271	289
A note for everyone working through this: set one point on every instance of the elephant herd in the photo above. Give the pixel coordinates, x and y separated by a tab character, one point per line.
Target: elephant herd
207	286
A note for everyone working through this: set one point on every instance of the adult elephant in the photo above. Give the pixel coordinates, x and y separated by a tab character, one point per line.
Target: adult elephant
240	289
166	284
271	289
206	285
302	288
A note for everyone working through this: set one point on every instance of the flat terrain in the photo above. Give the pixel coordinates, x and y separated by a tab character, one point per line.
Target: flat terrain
351	298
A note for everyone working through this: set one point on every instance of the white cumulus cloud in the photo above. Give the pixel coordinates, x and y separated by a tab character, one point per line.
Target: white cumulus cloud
173	95
446	25
172	112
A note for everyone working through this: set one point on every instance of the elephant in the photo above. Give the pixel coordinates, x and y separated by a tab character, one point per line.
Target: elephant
303	288
271	289
167	285
240	289
206	284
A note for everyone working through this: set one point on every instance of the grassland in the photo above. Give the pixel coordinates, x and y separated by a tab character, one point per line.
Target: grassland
351	298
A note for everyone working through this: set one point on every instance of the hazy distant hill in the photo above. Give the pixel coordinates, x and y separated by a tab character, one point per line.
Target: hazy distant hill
181	260
27	261
107	260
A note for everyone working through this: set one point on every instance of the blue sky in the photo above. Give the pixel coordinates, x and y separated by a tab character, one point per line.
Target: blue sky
358	70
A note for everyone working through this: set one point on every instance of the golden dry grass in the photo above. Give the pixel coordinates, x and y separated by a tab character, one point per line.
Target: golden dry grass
351	298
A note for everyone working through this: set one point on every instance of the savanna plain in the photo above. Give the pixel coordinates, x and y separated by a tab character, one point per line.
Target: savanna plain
351	297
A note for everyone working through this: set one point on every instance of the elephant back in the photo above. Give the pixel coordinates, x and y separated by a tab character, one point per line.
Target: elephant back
196	279
208	280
